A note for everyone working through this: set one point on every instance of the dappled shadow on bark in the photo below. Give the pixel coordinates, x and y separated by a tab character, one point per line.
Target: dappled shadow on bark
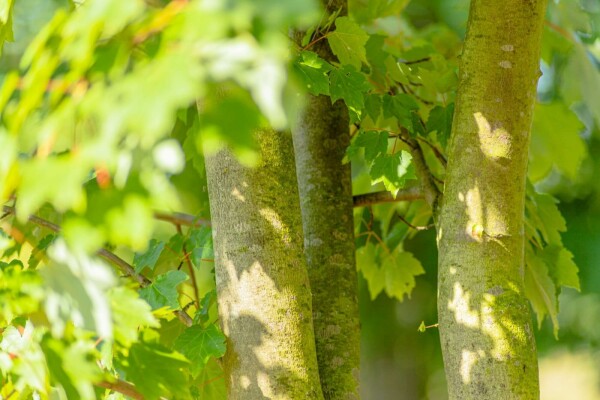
248	356
485	321
263	289
321	136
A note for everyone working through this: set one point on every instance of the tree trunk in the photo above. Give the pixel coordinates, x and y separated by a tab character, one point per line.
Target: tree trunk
263	290
484	318
321	136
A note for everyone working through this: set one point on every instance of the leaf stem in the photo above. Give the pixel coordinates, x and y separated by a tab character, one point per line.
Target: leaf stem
308	46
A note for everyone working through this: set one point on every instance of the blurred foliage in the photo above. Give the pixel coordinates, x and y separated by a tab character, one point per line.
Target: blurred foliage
100	104
106	108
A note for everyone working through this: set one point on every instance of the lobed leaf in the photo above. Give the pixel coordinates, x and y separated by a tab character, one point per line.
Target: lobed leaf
348	42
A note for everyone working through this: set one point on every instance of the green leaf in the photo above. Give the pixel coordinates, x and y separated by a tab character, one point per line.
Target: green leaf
366	263
199	345
367	10
373	106
373	142
76	291
163	291
6	31
554	43
72	366
567	273
203	314
394	70
422	328
348	42
562	269
555	141
154	369
393	170
312	71
29	367
149	257
200	242
581	81
350	85
82	235
540	289
39	251
549	266
218	127
440	120
401	106
57	180
543	214
400	271
210	383
130	314
417	126
395	272
131	223
377	57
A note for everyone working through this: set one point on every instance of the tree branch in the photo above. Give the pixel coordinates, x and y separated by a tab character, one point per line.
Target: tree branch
114	259
188	261
417	228
124	388
181	219
438	154
367	199
431	192
420	60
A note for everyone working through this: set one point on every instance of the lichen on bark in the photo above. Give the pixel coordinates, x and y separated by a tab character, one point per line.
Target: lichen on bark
321	136
263	290
484	319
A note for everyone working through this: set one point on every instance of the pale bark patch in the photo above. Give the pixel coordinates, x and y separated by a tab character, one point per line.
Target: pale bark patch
468	361
461	308
495	143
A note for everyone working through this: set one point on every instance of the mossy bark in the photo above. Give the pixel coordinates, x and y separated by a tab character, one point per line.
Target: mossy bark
484	318
321	136
263	289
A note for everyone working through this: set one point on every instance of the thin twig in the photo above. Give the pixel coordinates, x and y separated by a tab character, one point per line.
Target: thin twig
124	388
123	265
188	261
311	44
179	218
561	31
417	228
420	60
438	154
367	199
431	192
415	95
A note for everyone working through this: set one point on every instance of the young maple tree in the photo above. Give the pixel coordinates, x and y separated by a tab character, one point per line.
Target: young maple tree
193	190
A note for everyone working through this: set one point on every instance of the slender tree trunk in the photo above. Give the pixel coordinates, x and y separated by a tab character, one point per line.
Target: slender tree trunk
485	324
321	136
263	289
